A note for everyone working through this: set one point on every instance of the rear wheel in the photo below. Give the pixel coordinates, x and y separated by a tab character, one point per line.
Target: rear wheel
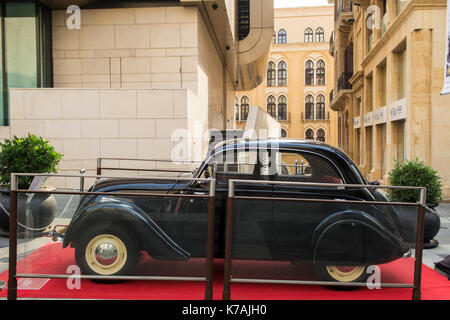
342	274
107	251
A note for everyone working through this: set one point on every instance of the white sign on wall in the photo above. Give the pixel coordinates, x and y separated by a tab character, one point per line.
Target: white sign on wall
357	122
368	119
381	115
397	110
446	89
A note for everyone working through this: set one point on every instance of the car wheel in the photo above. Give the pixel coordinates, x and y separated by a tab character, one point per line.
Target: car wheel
342	274
107	252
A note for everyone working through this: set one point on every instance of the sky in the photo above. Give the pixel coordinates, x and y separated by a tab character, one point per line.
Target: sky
299	3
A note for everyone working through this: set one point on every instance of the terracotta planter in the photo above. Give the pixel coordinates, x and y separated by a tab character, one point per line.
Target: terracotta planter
41	213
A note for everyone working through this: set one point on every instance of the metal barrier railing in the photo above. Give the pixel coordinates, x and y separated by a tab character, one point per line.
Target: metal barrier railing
416	286
13	227
100	168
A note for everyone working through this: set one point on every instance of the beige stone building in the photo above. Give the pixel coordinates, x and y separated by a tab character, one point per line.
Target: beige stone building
299	76
389	72
129	79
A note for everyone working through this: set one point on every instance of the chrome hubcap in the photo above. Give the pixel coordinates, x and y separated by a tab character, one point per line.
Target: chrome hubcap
106	253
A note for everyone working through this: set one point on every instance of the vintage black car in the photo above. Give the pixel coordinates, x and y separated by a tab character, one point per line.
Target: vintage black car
341	240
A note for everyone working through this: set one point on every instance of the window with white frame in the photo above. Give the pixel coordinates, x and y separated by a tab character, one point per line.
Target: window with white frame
271	74
245	107
320	107
309	73
272	106
320	73
320	135
309	35
282	108
282	36
282	74
309	107
320	35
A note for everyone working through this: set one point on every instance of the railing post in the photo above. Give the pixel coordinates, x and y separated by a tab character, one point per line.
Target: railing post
82	172
12	280
210	241
228	242
99	166
417	292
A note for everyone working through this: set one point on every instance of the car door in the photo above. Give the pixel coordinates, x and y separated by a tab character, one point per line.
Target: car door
252	224
294	222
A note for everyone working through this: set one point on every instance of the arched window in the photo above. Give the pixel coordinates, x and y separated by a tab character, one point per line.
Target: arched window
320	107
282	36
309	107
309	135
274	39
309	73
283	133
244	108
271	106
320	73
282	108
236	103
282	74
309	35
320	35
321	135
271	74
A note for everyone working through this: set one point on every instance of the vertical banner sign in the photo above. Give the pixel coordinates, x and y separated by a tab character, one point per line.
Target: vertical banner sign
446	89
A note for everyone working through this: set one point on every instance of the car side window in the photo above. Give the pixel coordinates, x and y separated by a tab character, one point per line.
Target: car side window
305	167
239	164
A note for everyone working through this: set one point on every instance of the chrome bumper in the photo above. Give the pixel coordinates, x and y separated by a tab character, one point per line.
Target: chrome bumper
407	254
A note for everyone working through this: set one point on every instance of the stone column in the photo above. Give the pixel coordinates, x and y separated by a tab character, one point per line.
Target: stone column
419	115
391	96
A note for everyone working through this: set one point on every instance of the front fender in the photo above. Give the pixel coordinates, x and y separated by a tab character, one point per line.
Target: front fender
354	237
151	237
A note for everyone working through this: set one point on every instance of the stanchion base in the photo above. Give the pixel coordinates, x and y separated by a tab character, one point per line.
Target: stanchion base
431	244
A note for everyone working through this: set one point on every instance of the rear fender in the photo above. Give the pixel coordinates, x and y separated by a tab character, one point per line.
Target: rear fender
151	237
354	237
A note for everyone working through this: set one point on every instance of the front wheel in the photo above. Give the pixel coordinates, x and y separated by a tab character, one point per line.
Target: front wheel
342	274
107	251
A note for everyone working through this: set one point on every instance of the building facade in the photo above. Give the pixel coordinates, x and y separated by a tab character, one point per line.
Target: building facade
389	71
128	79
299	76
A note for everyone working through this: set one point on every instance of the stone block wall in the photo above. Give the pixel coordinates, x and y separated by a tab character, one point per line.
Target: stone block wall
84	124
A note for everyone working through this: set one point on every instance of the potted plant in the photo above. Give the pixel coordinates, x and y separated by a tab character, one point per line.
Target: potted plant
415	173
30	154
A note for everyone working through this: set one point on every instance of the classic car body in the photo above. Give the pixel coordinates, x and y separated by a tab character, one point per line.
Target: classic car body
326	234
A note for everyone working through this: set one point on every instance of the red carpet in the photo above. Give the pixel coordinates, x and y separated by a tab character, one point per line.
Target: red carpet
51	258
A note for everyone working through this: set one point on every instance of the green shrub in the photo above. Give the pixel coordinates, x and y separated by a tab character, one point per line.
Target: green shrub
26	155
414	174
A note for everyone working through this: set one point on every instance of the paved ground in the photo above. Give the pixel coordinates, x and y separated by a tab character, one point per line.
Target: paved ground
67	206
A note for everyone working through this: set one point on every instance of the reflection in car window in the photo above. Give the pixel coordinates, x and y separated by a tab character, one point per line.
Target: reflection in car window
241	164
305	167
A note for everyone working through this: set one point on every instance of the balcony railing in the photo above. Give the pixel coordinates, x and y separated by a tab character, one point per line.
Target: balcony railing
344	8
343	84
312	119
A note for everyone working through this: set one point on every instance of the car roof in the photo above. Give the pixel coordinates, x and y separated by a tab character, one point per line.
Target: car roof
279	142
328	151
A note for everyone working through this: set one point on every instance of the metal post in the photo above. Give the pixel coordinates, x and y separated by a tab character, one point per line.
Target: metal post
99	166
12	281
210	241
417	292
82	172
228	242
